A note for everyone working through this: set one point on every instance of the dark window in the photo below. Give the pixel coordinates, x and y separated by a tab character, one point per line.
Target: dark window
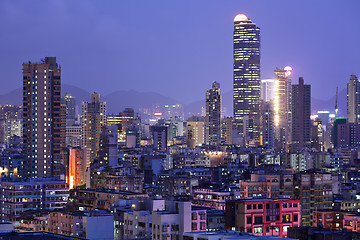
260	206
258	220
248	220
295	217
254	206
248	206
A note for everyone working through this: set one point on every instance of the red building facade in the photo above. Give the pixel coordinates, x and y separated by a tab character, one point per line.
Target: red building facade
263	217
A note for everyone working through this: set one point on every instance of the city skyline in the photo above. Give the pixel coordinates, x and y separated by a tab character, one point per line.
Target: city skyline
104	48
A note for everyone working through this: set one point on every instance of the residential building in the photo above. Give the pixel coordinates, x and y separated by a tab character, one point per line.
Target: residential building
42	125
213	115
195	132
227	130
93	118
172	221
85	224
19	196
301	123
263	217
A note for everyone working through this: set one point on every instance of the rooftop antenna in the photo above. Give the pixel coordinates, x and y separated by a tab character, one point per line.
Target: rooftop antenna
336	103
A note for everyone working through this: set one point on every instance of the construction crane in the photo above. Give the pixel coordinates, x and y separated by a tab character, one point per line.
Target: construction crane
336	103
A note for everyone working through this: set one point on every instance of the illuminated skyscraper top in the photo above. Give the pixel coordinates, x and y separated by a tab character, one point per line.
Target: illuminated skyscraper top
246	93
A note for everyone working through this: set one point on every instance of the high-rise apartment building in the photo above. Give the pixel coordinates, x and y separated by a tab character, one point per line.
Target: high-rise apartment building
195	131
268	126
282	107
93	118
353	100
213	115
226	130
246	89
108	155
77	160
42	125
301	122
159	135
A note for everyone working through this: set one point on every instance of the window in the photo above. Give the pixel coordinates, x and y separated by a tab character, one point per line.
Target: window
286	218
248	207
258	230
295	205
258	220
284	205
202	226
295	218
254	206
194	226
260	206
248	220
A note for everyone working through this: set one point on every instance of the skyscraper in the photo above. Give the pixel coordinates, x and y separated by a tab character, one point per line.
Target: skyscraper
282	107
353	100
267	89
213	115
93	118
246	92
69	101
268	125
301	122
42	125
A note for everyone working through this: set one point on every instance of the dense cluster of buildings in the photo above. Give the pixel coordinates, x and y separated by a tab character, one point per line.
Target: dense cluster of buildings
270	170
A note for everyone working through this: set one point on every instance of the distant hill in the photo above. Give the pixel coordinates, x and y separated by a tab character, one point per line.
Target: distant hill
119	100
318	104
15	97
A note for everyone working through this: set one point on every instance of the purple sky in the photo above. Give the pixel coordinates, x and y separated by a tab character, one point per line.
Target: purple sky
177	48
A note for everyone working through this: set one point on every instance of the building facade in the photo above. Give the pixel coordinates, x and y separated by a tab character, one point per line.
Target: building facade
353	100
282	107
301	122
17	197
213	115
246	89
93	118
42	125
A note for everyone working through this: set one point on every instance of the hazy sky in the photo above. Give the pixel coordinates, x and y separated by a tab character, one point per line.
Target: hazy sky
177	48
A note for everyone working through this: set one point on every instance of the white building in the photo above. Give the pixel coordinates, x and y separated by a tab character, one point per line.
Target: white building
172	221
